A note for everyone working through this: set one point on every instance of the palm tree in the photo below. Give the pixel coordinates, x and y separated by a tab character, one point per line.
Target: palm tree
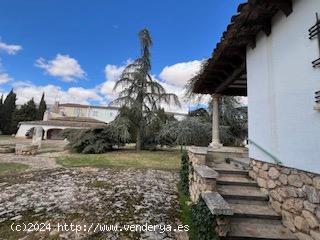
139	91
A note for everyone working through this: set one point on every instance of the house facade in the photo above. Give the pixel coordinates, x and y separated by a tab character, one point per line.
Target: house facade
270	52
101	113
104	114
270	59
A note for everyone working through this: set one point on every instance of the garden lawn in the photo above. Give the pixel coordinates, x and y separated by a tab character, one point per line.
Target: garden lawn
6	137
161	160
11	168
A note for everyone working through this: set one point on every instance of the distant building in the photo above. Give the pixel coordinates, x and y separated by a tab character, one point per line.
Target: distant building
102	113
53	126
71	115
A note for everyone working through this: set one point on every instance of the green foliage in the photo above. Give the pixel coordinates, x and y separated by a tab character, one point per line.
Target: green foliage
98	140
1	113
41	109
140	92
27	112
201	113
203	221
184	173
185	214
190	131
8	108
233	121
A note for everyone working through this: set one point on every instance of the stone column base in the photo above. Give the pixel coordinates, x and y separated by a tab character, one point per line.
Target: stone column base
215	145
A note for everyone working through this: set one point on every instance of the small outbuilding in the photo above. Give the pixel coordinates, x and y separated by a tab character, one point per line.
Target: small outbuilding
52	127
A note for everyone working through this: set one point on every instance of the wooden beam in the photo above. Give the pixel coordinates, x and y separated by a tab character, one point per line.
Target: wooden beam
231	78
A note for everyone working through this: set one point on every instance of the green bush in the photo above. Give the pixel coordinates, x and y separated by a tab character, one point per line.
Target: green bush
184	173
99	140
203	221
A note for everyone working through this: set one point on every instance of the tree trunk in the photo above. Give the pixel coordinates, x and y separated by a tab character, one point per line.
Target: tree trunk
138	139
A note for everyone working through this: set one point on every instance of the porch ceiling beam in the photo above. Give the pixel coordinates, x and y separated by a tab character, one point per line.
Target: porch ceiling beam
231	78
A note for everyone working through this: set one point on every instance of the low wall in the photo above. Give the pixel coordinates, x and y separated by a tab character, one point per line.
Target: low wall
202	184
201	179
219	155
295	194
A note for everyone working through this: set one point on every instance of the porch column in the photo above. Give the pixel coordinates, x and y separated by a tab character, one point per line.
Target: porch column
215	122
45	134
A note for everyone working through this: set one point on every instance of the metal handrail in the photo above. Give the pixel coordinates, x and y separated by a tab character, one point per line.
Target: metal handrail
276	160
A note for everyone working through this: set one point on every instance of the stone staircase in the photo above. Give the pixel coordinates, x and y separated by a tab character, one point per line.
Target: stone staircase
252	217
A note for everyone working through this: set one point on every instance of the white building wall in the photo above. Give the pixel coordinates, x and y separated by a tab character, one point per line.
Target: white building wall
281	86
102	114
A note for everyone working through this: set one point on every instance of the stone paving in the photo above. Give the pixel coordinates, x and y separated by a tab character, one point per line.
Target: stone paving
88	195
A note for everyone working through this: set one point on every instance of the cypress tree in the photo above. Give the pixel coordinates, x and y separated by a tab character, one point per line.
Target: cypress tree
8	108
1	113
42	108
27	112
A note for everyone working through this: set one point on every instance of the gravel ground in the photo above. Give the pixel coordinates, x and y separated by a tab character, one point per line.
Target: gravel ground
88	195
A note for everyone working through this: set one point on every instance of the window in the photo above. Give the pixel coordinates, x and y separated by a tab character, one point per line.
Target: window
95	113
77	112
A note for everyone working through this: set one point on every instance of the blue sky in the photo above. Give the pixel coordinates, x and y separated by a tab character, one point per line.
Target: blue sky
75	50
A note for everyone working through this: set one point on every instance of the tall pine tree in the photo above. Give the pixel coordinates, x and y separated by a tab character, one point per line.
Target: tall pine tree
8	108
27	112
42	108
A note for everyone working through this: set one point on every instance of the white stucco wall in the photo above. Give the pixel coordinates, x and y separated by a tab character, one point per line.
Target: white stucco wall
24	127
102	114
281	86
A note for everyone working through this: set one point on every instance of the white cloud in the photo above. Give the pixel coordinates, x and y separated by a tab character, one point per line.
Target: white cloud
4	78
112	74
9	48
62	66
179	73
25	91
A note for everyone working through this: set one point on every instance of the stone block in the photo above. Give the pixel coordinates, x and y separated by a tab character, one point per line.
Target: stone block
315	235
216	204
311	219
295	180
301	224
316	182
285	170
283	178
288	220
271	184
309	206
293	205
252	174
276	196
24	149
276	206
318	213
261	182
292	192
312	194
273	173
265	167
305	178
263	174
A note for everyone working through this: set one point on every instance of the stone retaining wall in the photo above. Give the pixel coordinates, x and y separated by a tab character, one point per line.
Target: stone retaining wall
201	179
22	149
294	194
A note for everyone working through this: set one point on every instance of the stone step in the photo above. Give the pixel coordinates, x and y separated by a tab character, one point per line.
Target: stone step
241	192
231	171
233	179
242	228
254	211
